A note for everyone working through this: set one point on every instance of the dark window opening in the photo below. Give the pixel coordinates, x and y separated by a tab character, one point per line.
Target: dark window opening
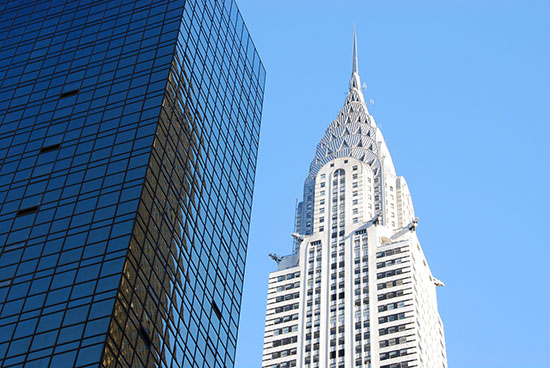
216	310
69	93
50	148
144	335
27	211
185	283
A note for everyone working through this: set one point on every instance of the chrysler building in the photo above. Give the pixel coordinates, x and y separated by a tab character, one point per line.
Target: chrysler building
357	290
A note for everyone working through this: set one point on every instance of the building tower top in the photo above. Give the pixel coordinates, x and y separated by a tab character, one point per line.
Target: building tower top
353	133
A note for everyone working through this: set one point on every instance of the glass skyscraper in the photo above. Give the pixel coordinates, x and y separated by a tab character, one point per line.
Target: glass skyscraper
128	140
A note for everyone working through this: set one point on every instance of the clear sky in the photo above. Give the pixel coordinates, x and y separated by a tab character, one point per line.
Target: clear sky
461	91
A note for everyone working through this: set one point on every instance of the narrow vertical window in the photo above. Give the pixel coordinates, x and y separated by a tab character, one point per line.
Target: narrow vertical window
216	310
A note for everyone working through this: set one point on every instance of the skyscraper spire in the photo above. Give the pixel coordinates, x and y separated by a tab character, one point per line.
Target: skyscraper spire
354	68
355	81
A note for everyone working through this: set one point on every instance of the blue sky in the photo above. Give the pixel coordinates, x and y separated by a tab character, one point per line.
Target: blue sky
461	90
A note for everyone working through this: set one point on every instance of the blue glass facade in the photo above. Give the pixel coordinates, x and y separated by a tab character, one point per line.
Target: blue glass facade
128	140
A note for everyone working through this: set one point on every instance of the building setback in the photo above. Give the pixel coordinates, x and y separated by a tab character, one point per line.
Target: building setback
357	291
128	141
